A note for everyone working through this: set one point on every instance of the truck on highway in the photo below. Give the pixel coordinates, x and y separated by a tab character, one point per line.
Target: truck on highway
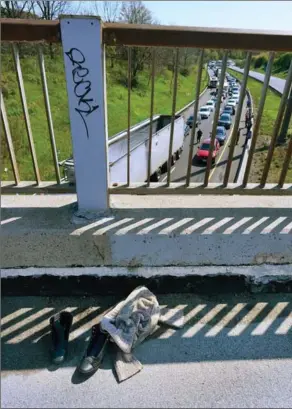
213	82
139	149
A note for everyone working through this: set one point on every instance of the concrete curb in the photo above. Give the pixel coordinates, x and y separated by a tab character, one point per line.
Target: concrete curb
120	281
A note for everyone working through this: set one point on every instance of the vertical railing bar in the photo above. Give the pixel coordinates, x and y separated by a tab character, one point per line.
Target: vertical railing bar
172	116
48	112
259	114
151	116
196	106
25	111
216	116
129	114
9	141
285	164
237	118
277	126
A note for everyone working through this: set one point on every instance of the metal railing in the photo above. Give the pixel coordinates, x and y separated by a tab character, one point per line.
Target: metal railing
113	34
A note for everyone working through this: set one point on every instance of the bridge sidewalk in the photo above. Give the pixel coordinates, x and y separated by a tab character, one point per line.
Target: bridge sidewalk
234	351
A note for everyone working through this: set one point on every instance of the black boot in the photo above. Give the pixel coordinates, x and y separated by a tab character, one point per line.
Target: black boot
60	326
95	351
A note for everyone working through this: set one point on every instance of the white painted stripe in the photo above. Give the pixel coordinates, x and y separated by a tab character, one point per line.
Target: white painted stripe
155	225
174	226
14	315
126	229
26	321
247	319
270	318
112	226
225	320
286	229
12	219
271	226
217	225
203	321
235	226
285	326
255	225
90	226
165	177
196	226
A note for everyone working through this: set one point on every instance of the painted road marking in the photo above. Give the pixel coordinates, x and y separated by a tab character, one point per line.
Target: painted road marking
165	177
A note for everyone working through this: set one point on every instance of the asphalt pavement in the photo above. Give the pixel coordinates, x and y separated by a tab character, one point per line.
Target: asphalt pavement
275	82
178	171
233	352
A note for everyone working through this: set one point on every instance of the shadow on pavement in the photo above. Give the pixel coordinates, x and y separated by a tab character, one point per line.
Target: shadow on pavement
216	328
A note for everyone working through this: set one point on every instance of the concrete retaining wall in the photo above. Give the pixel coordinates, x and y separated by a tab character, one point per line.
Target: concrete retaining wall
147	231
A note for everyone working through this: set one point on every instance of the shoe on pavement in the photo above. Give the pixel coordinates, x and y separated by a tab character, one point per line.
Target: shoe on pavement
60	329
95	351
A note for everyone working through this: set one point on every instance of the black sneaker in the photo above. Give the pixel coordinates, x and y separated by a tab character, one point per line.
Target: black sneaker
60	326
95	351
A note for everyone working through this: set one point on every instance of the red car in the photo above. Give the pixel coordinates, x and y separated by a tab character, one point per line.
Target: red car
203	150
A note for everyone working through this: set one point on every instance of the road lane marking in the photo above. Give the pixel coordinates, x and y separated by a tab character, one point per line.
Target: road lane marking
222	153
165	177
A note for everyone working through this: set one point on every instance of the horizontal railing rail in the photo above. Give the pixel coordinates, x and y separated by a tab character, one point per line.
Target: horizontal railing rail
18	30
131	35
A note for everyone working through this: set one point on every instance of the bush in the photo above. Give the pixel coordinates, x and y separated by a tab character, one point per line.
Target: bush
260	61
185	72
282	63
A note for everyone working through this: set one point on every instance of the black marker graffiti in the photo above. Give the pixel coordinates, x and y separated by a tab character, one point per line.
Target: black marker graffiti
82	86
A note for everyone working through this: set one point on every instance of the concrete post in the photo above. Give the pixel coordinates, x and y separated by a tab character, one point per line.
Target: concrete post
85	77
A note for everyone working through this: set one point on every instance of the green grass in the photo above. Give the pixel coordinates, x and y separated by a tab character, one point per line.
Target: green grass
117	95
265	133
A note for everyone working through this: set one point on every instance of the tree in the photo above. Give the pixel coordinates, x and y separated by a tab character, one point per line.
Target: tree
109	11
16	9
135	12
50	10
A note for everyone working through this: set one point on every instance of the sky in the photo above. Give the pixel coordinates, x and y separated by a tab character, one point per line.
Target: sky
269	15
260	15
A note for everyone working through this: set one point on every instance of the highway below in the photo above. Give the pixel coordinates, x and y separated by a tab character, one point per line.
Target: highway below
275	82
178	171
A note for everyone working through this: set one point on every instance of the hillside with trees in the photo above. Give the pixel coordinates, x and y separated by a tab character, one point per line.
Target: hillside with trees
117	83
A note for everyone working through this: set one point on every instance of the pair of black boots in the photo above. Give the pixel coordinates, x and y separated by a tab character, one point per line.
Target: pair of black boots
60	329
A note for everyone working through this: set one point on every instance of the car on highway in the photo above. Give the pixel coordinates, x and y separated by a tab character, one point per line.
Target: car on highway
211	104
228	109
235	96
204	148
221	134
235	89
215	99
205	112
232	102
225	120
190	120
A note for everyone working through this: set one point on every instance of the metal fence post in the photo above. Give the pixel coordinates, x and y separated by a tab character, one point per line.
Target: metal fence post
85	77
